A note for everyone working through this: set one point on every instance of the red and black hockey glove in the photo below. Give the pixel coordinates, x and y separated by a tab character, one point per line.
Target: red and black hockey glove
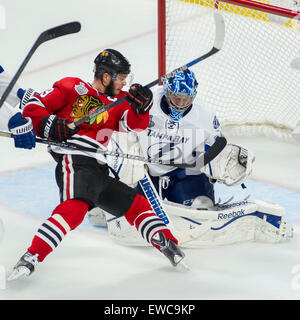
56	129
140	98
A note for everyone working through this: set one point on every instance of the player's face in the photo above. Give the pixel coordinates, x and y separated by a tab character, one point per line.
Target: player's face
180	102
119	83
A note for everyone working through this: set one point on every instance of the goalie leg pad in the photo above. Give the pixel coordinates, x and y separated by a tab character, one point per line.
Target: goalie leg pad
257	221
245	221
97	217
272	227
129	171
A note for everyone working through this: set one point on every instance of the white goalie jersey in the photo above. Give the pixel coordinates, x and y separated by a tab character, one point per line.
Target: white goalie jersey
182	141
176	141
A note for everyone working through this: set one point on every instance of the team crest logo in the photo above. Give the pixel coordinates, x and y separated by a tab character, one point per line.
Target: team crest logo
165	151
85	105
81	89
172	125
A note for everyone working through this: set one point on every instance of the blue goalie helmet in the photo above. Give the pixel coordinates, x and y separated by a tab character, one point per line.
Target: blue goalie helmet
181	90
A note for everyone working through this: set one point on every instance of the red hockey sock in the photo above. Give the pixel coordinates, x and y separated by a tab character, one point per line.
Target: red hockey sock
65	217
139	205
147	223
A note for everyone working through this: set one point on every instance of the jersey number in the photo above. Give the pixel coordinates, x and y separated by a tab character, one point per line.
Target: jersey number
46	92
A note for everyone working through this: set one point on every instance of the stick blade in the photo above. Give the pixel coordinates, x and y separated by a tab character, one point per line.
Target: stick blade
220	30
61	30
64	29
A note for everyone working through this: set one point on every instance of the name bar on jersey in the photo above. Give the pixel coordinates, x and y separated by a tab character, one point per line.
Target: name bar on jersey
165	136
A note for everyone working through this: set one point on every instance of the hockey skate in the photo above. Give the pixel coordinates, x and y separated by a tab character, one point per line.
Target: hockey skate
169	248
24	267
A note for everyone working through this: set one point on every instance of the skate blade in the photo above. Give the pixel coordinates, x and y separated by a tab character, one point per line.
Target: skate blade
179	262
182	265
18	273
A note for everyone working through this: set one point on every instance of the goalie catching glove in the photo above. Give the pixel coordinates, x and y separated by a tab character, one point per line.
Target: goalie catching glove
140	98
232	166
56	129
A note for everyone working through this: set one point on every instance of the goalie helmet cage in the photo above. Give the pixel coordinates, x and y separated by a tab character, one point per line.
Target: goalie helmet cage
252	82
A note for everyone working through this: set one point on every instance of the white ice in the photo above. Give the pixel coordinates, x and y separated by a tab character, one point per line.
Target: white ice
87	264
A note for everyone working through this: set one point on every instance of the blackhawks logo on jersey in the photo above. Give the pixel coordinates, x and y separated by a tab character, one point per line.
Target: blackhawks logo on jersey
85	105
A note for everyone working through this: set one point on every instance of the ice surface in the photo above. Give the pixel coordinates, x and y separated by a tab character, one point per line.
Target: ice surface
87	264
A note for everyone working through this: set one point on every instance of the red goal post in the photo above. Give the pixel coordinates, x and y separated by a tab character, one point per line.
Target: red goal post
254	81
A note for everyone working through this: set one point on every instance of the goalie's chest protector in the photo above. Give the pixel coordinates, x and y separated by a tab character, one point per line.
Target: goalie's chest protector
167	140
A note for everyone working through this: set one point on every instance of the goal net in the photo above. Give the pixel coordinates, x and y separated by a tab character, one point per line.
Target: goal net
254	81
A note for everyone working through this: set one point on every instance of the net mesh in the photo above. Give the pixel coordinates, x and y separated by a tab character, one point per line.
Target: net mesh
250	82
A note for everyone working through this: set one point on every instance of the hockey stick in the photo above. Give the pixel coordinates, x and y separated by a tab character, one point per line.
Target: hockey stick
160	209
73	146
157	206
64	29
202	160
218	43
154	199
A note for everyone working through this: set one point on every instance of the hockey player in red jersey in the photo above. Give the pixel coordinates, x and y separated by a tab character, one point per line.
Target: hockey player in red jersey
82	177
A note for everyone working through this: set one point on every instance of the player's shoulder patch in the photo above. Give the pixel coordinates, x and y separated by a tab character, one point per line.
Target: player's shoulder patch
72	83
81	88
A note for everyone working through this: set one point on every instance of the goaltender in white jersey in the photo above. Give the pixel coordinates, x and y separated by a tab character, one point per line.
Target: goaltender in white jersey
182	126
169	140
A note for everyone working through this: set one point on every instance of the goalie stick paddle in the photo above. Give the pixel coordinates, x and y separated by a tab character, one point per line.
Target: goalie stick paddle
204	159
218	43
64	29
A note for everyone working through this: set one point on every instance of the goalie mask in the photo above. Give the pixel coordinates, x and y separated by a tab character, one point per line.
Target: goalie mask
114	63
180	92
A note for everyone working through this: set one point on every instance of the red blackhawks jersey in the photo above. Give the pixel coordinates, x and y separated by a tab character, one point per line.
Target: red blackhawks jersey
73	98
